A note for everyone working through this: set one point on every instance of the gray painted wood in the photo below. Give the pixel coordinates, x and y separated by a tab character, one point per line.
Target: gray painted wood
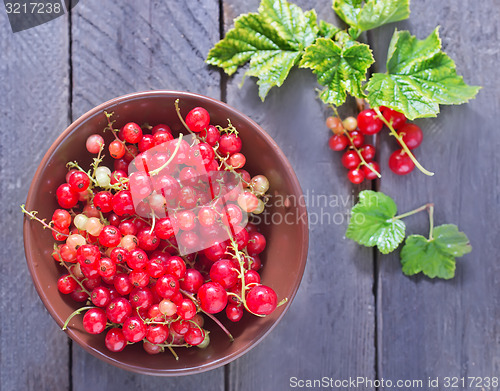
423	328
449	328
34	102
329	329
127	46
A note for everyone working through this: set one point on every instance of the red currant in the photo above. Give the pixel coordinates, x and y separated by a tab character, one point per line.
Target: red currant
412	135
262	300
197	119
368	122
400	163
356	175
338	142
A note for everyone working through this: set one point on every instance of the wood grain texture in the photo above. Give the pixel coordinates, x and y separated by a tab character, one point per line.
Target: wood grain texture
329	329
127	46
448	328
121	47
34	102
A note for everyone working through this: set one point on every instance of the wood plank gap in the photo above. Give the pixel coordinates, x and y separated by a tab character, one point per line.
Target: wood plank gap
70	63
227	377
375	186
223	75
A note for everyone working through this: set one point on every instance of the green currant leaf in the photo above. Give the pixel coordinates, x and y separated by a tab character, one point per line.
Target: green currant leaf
340	66
327	30
420	77
372	222
273	40
434	257
372	14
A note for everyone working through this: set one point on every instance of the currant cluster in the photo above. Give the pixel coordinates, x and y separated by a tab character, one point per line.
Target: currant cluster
358	158
133	267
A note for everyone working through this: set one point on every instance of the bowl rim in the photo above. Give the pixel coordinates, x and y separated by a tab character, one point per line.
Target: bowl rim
151	94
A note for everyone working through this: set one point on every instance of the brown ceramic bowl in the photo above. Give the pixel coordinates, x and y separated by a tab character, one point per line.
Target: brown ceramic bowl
283	260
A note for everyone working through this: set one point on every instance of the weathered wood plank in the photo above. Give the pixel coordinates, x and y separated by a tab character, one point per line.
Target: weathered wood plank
127	46
34	103
329	329
449	328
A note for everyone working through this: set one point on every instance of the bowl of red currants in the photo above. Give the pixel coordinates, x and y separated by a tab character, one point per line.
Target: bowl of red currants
165	232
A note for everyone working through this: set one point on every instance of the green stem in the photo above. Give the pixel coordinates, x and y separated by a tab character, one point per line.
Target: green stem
403	144
430	210
217	321
78	311
32	216
414	211
178	111
155	172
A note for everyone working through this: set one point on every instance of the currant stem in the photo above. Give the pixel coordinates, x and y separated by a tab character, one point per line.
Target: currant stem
217	321
32	216
110	126
178	111
403	144
156	171
430	210
414	211
78	311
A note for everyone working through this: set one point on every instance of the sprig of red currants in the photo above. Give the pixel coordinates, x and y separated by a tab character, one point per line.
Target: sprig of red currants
128	268
359	157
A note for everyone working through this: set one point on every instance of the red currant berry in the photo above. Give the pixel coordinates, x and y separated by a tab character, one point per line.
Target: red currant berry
123	203
66	284
357	138
115	340
350	159
110	236
88	255
369	174
161	128
224	273
368	152
192	281
94	143
107	268
186	309
338	142
176	267
216	251
356	175
132	133
147	142
234	312
166	228
167	286
116	149
141	297
229	143
66	197
211	135
103	201
262	300
100	296
137	259
368	122
79	181
197	119
118	310
119	255
61	218
256	243
94	321
212	297
147	239
398	119
134	329
400	163
122	284
157	333
194	336
412	135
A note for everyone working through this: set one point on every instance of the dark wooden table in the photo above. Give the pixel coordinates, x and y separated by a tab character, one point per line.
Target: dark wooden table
355	313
